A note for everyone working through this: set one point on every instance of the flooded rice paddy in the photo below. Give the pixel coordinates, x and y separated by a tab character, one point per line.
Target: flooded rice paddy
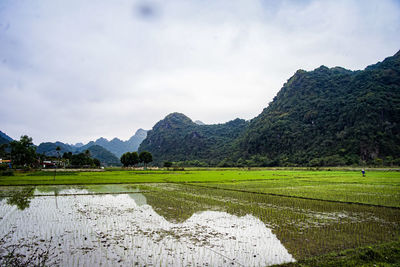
82	227
181	225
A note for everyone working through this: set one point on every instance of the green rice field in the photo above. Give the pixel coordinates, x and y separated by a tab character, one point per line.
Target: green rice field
329	217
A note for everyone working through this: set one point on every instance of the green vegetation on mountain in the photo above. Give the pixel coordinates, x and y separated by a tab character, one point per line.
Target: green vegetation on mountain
24	154
329	117
97	152
177	138
324	117
117	146
4	139
108	153
50	149
104	156
5	148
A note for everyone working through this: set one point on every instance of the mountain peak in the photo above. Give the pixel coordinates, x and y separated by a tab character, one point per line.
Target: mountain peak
174	120
177	116
322	68
79	144
115	139
140	132
102	139
178	138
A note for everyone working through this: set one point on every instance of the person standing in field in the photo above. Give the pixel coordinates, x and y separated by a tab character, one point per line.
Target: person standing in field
363	172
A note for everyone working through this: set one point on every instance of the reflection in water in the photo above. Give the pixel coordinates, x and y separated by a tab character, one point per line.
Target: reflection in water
20	197
56	193
139	199
85	189
122	229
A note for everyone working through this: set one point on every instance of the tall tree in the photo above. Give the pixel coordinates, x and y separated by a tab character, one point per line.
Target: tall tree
58	149
58	163
130	159
134	160
125	159
96	162
145	157
3	151
23	152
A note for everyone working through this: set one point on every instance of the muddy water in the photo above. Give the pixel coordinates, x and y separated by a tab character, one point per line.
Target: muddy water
82	227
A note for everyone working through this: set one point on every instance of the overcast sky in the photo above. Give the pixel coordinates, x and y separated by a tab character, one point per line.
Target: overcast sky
77	70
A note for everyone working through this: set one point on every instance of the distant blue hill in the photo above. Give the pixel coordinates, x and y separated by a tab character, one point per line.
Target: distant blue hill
106	157
4	139
108	152
117	146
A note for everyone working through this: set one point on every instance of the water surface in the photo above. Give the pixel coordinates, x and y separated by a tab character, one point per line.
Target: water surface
87	226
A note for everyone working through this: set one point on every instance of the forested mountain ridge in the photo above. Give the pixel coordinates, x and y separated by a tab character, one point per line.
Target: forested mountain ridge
329	117
49	148
106	157
117	146
324	117
178	138
4	139
108	152
103	155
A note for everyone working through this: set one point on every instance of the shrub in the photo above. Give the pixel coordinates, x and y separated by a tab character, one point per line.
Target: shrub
167	164
7	173
3	167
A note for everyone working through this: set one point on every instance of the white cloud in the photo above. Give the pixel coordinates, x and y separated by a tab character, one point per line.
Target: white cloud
75	71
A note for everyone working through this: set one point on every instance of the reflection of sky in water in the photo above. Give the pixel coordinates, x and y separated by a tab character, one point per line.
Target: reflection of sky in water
84	189
121	229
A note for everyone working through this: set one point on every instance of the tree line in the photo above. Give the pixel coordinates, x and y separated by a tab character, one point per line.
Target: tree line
130	159
82	159
22	154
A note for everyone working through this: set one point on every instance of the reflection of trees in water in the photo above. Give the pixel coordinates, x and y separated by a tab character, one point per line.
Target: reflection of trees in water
178	206
21	197
56	193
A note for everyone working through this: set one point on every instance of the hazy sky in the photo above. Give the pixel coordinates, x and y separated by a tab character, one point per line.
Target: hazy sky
77	70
